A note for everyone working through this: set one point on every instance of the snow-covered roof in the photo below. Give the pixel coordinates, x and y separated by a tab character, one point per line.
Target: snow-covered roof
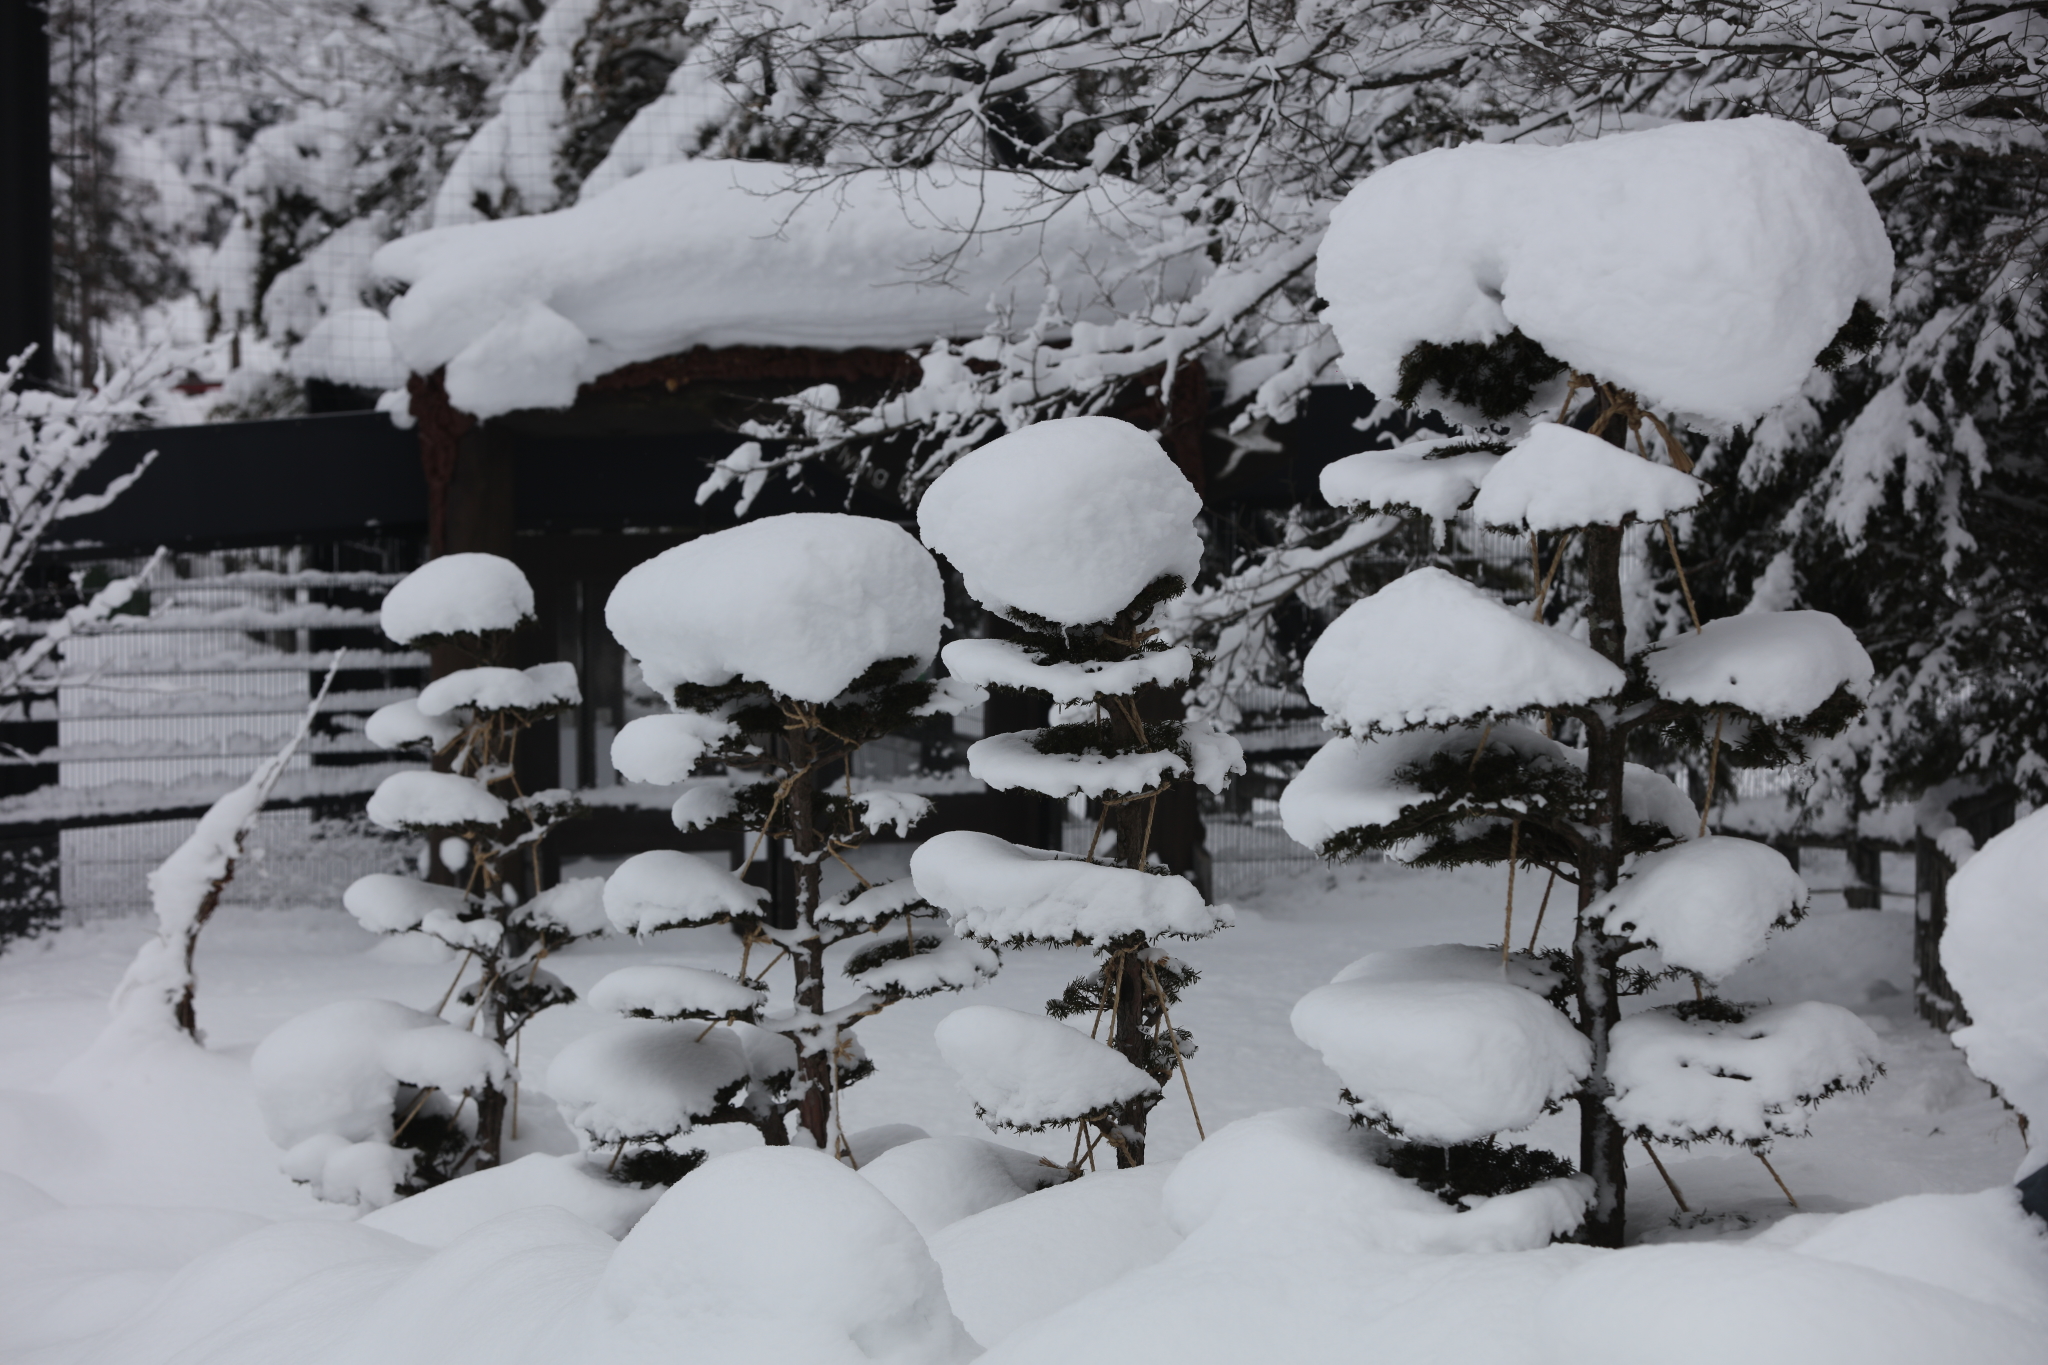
727	253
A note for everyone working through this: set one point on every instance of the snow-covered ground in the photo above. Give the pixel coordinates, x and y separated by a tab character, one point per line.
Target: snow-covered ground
122	1162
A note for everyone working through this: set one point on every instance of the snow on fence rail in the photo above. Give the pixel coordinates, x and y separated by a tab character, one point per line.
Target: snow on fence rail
153	714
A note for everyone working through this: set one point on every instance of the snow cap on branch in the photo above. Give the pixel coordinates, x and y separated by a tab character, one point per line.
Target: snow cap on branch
543	687
802	604
1068	520
1776	665
1992	950
665	749
1706	905
462	594
645	1079
1413	477
662	991
1431	649
402	723
1559	478
668	889
1435	1042
387	903
1741	247
999	892
428	800
1026	1071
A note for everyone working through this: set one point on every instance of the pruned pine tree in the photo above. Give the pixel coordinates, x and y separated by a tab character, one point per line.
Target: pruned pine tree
1569	307
783	646
1077	530
483	833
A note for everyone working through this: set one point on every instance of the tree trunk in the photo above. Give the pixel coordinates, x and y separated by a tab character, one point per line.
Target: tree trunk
1594	952
814	1100
1127	1035
490	1126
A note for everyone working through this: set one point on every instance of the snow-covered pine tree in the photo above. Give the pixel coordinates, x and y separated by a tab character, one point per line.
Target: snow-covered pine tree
1076	530
1562	303
783	646
483	833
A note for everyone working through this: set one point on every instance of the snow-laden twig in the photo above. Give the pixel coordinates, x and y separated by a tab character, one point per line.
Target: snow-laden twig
16	671
186	888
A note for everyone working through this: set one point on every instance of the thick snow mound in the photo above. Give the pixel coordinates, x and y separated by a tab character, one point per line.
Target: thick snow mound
668	889
1026	1071
465	594
1992	950
448	1212
387	903
802	604
1745	1082
1068	520
730	253
1559	479
337	1069
1312	1166
543	687
1707	905
1408	478
427	800
1776	665
659	990
997	891
706	1265
1702	265
1431	649
665	749
938	1181
1006	663
1023	1260
1767	1307
645	1079
1443	1054
402	723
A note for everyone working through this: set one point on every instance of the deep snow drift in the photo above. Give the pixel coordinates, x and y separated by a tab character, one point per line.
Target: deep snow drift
142	1213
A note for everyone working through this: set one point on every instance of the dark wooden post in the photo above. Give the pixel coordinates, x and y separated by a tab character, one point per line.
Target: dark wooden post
27	316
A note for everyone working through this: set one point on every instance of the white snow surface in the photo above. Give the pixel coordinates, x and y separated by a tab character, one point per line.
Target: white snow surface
1025	1071
459	594
1007	663
644	1079
1749	1082
1012	760
447	1213
730	253
1068	520
1431	649
574	906
1701	265
998	891
1441	1045
1707	904
665	749
880	808
416	799
802	603
336	1069
702	804
543	687
1777	665
1408	477
1992	948
670	991
665	888
1558	478
402	722
390	903
936	1182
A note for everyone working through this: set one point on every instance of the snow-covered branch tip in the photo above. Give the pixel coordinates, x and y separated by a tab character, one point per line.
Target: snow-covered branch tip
185	890
15	672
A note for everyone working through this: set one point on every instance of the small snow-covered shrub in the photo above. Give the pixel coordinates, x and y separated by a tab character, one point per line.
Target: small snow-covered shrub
782	646
482	834
1077	531
1501	286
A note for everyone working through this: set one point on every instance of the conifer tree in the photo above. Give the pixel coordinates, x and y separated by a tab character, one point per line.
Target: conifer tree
783	646
1077	530
1566	306
483	833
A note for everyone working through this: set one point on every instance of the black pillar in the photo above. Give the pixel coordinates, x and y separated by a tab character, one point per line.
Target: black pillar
26	317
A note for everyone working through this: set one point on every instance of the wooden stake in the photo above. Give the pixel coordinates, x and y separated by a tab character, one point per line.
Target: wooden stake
1543	905
1669	1183
1775	1176
1507	929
